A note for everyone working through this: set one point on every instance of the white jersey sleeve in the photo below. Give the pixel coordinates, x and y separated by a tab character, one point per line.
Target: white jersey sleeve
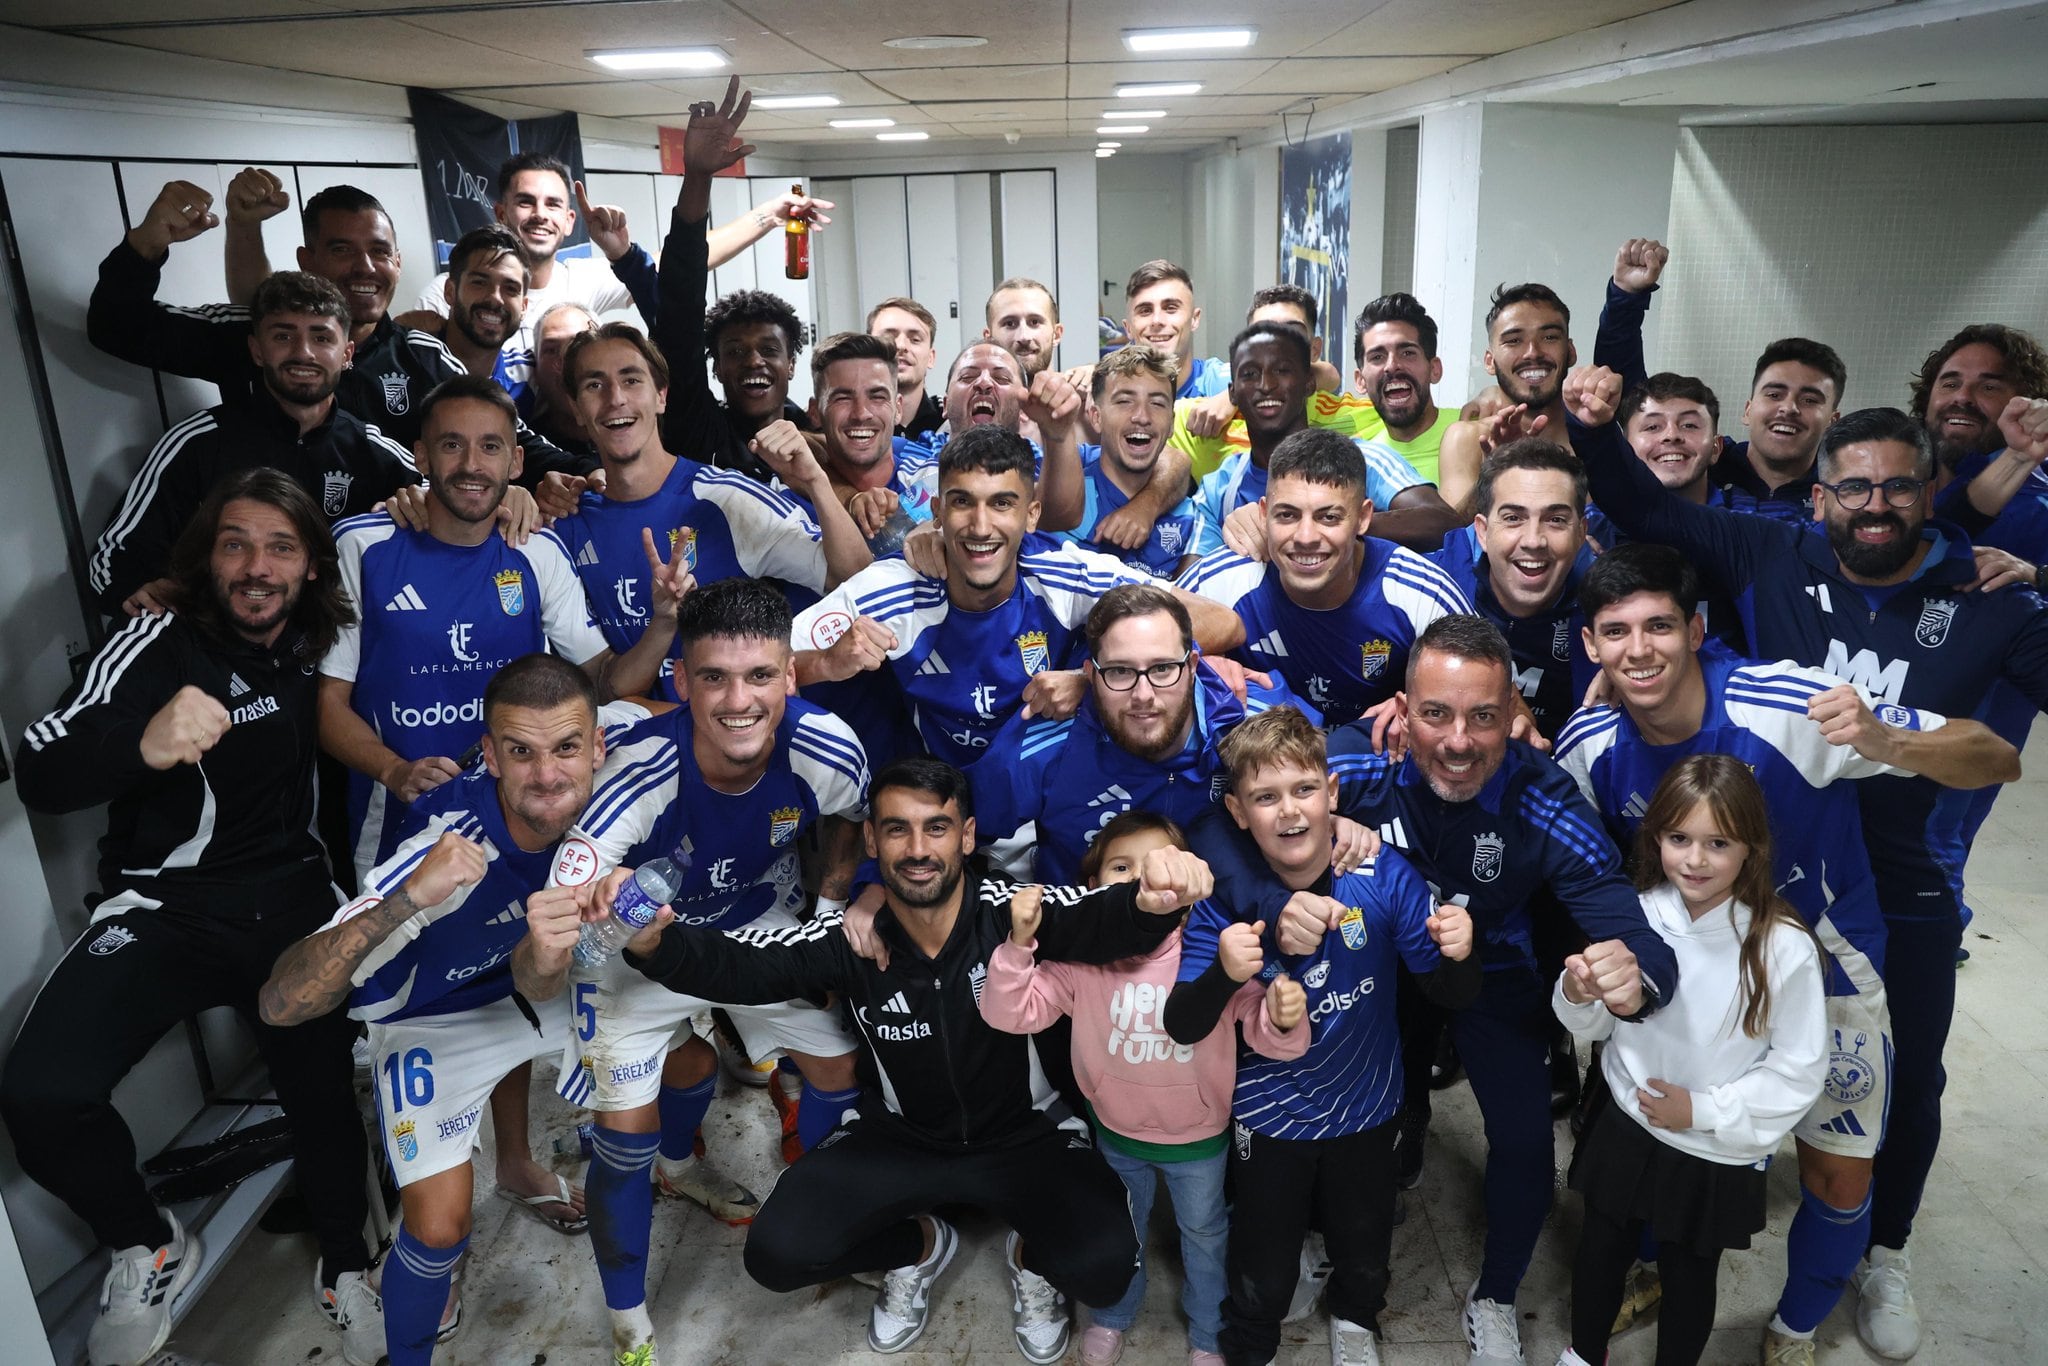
352	539
1771	700
889	591
435	295
1222	576
617	717
387	877
1387	474
1588	735
597	286
1070	580
636	784
564	610
771	536
1420	589
827	757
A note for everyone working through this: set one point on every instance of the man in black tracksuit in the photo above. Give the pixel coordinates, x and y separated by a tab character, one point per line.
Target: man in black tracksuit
952	1110
198	728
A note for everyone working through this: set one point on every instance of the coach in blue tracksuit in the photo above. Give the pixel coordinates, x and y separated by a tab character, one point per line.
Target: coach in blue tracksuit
1883	600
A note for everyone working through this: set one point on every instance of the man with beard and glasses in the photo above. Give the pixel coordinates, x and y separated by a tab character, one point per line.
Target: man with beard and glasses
444	608
485	325
454	940
909	327
198	728
1528	352
1884	599
298	340
952	1110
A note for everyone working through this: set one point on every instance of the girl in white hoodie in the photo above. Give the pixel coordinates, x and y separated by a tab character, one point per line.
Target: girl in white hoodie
1701	1093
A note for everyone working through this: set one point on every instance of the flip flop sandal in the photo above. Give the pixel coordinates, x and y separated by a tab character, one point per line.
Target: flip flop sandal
536	1206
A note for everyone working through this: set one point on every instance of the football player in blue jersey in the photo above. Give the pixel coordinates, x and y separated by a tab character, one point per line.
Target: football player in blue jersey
1314	1137
452	954
442	609
1002	629
1882	599
1336	610
725	786
1802	732
853	400
1132	393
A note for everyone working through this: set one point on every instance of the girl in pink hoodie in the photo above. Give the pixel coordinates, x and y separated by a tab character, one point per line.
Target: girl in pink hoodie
1159	1108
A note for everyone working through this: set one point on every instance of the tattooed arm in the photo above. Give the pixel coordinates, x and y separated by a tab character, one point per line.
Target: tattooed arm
314	975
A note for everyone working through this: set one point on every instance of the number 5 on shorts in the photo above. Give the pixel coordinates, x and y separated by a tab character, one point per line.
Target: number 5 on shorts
412	1081
586	1011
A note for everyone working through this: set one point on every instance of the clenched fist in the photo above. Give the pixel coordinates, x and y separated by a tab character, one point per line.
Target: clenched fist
183	729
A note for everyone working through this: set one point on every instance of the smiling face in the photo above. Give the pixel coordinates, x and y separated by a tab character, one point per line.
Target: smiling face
1312	533
754	364
985	389
488	301
470	455
1287	810
913	341
1700	861
1969	391
857	412
1136	416
1270	387
1395	373
1146	721
1531	538
1022	320
545	760
550	345
739	687
1675	437
617	401
1789	407
920	846
1648	649
535	206
1877	541
1164	315
983	519
301	356
359	252
1528	353
1458	714
260	566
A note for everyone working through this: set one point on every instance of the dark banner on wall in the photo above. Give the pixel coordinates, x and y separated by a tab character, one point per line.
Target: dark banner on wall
1315	232
461	148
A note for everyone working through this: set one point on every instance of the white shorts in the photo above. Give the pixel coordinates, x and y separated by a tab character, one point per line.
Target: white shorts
1855	1101
626	1025
433	1074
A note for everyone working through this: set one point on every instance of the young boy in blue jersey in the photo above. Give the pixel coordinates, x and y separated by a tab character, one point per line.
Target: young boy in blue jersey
725	785
1335	610
1314	1137
1803	733
1132	390
1000	631
443	955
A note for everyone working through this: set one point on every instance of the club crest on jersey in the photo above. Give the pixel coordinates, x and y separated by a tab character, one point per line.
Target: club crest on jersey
782	823
1316	976
334	492
1487	851
1373	657
1352	927
397	392
1031	649
1935	615
511	591
111	940
1561	640
683	541
1171	537
408	1144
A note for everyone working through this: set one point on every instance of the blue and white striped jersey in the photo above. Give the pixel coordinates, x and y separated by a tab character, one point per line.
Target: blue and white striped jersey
1238	481
1176	535
1344	659
1349	1080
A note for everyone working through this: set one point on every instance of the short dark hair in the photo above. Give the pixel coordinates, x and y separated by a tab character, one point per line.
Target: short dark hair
297	291
1270	331
338	199
1529	453
1665	386
1876	424
1815	355
2029	363
540	682
521	162
1128	600
849	346
1152	272
1507	296
1320	456
1463	635
953	367
910	306
922	773
494	242
1639	567
1120	826
481	388
988	449
1293	296
732	609
323	609
1394	308
1052	304
657	364
745	306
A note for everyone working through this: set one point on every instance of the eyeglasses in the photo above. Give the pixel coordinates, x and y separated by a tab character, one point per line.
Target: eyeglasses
1854	494
1123	678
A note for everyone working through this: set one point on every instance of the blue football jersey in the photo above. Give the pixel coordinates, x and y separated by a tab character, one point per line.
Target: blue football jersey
1238	481
1347	658
1552	671
1181	532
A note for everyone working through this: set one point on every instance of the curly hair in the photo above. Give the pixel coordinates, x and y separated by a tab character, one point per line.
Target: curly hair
2023	356
744	306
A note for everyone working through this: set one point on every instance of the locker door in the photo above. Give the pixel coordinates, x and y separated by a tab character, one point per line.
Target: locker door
835	272
977	252
732	198
400	191
771	272
1031	246
935	262
634	192
196	271
882	240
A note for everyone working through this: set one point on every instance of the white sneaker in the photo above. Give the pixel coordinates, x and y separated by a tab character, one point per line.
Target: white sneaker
1352	1344
358	1310
1491	1332
632	1337
1570	1358
1886	1318
694	1178
1038	1312
1315	1273
136	1298
901	1310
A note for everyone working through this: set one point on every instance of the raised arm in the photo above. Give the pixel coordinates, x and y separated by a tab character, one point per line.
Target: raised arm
125	319
134	719
253	196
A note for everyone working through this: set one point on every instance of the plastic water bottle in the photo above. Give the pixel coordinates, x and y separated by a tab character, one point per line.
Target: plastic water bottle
888	538
578	1142
654	884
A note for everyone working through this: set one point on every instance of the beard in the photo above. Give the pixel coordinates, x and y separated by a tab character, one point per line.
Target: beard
1534	398
465	320
1417	402
286	598
1170	741
1873	561
1952	449
930	894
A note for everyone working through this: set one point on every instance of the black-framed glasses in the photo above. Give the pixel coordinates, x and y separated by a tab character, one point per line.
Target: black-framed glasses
1854	494
1123	678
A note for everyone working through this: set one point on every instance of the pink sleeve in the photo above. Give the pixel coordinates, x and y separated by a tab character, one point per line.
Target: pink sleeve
1248	1008
1022	996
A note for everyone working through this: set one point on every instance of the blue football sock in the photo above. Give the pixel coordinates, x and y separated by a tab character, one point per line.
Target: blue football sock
415	1291
682	1112
818	1112
1820	1253
619	1194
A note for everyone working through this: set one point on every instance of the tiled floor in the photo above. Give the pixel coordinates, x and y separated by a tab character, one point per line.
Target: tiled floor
1980	1250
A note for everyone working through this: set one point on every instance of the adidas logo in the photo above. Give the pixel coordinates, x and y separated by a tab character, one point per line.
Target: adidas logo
1394	833
408	600
1636	807
513	911
897	1005
1271	644
933	665
1114	794
1845	1124
236	687
587	555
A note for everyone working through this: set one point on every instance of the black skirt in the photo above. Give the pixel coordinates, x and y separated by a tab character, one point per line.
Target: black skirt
1626	1172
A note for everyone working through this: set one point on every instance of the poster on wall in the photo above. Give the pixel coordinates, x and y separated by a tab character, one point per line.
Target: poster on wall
1315	229
461	148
